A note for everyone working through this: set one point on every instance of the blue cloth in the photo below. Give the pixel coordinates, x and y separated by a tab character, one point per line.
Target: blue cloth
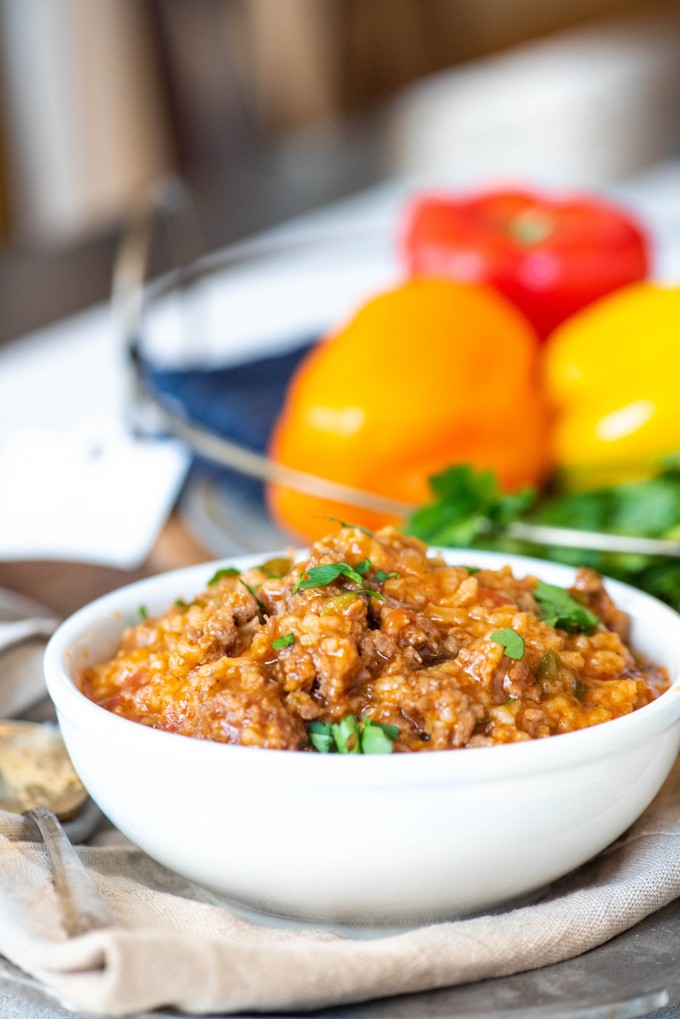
240	403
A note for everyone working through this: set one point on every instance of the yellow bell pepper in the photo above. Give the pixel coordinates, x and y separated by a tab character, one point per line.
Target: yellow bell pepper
613	377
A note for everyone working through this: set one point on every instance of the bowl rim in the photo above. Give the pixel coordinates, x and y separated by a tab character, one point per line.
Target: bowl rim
390	770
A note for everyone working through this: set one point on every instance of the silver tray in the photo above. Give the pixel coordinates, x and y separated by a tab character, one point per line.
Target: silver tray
635	974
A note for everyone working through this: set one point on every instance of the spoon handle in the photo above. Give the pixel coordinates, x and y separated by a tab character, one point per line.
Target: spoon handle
20	631
82	907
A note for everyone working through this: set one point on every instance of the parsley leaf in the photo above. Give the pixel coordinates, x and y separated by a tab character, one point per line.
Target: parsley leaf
321	737
260	604
353	527
285	641
227	571
143	612
559	609
348	736
512	641
381	576
363	567
320	576
468	505
377	738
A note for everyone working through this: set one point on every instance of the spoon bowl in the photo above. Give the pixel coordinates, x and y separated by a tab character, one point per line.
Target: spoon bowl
36	771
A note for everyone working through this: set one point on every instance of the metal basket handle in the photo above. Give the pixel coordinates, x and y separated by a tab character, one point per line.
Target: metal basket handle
169	201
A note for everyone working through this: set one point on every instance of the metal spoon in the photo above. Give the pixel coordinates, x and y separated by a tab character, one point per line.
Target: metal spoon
21	631
38	780
25	626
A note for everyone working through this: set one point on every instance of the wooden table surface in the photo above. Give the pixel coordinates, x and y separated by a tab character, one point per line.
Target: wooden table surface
64	586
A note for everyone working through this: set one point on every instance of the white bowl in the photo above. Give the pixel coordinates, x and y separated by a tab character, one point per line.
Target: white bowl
375	840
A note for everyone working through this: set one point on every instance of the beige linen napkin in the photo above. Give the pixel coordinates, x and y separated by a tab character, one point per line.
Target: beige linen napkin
179	946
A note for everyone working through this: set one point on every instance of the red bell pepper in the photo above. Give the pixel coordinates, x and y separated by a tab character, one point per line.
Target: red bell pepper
549	256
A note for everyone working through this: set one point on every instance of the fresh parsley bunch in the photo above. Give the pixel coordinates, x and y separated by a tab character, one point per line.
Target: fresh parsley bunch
469	510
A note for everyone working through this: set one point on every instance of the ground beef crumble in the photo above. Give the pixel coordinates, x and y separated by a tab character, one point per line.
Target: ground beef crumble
419	658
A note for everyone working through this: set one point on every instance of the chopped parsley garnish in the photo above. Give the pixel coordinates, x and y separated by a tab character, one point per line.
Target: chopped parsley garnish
320	576
512	641
348	736
510	700
352	527
285	641
559	609
251	590
143	612
377	738
363	567
321	737
381	576
227	571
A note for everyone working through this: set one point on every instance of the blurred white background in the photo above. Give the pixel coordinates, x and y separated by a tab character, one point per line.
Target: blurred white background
272	108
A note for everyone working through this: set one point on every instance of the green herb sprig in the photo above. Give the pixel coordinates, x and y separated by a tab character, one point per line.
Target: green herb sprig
285	641
251	590
381	576
349	736
226	571
352	527
511	641
468	505
559	609
320	576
